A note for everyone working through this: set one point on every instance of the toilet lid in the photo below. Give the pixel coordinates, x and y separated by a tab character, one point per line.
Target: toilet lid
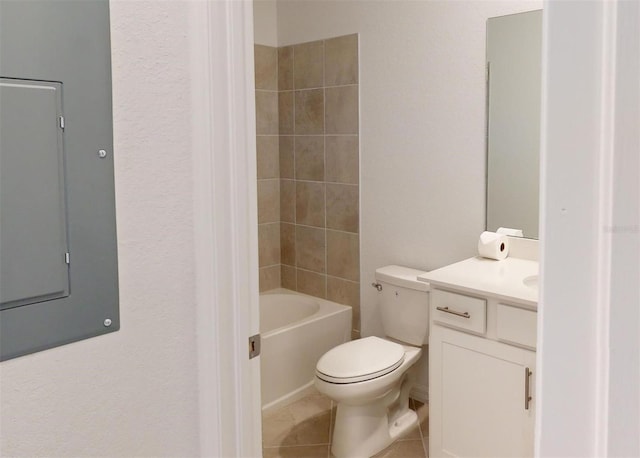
360	360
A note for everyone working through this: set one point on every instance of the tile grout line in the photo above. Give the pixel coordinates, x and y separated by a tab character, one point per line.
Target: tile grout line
316	87
309	135
295	184
277	90
324	171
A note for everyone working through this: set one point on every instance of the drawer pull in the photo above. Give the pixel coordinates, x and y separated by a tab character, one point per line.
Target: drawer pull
453	312
527	384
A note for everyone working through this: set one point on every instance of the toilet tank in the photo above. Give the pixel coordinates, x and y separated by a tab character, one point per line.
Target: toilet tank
404	304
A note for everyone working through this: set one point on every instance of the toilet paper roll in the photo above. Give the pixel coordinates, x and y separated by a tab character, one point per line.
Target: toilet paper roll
493	246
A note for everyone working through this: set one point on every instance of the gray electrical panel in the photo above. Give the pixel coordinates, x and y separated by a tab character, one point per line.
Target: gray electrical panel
33	234
58	261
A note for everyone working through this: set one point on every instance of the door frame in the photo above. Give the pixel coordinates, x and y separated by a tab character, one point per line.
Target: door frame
226	226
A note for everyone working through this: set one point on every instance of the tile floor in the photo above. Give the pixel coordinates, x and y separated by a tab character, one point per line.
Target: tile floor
303	430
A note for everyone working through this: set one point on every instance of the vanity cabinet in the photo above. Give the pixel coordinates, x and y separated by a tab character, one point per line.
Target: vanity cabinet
481	376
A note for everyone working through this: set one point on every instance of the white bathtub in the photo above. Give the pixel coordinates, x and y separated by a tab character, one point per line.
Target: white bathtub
296	331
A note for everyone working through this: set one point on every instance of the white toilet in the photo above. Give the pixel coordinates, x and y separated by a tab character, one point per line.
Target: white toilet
370	378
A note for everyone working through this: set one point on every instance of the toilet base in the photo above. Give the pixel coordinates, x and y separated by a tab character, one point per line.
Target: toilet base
372	432
361	431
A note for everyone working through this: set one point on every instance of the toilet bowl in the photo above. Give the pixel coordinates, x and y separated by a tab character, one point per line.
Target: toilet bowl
370	378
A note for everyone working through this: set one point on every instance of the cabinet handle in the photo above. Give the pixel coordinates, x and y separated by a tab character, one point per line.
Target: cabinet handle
527	384
453	312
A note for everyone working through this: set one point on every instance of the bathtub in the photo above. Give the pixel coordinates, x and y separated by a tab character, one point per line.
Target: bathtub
296	331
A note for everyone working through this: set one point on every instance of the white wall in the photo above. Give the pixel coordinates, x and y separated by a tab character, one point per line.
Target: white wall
265	22
422	112
133	392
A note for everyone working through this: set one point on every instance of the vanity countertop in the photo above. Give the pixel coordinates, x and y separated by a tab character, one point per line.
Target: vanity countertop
500	279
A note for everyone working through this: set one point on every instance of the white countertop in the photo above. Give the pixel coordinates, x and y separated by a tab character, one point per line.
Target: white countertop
487	277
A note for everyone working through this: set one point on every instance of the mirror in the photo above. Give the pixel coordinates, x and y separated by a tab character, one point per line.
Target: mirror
514	47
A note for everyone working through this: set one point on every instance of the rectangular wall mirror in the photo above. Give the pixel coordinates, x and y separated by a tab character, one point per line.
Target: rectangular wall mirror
514	47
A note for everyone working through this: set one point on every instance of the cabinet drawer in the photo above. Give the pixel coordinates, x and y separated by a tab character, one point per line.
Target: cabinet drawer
516	325
459	311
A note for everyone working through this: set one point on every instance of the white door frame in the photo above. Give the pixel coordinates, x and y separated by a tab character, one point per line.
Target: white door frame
588	319
225	211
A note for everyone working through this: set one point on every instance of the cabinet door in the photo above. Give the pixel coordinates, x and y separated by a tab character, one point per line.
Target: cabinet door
477	397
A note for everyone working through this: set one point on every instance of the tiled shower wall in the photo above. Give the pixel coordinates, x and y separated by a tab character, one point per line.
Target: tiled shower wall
308	192
267	146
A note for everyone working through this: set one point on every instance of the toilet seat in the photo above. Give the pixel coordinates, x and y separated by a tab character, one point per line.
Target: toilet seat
360	360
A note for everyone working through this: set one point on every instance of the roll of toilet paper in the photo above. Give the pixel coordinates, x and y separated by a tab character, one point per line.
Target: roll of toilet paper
493	246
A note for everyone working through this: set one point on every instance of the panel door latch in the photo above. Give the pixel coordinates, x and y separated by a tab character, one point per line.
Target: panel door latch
254	346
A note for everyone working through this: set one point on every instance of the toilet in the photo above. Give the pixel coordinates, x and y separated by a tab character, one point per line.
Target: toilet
370	378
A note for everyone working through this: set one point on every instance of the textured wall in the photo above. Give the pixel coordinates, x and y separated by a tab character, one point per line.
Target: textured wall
130	393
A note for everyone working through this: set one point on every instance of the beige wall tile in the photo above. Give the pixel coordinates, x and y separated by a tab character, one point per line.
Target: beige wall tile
348	293
308	65
285	68
288	244
309	112
342	207
311	283
266	67
268	244
286	156
341	110
285	112
295	250
310	203
310	248
268	201
309	153
268	156
341	60
288	277
343	291
269	278
288	201
355	335
343	255
355	318
342	159
266	113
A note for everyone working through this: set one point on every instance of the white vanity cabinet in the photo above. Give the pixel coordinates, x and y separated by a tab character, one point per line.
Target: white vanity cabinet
481	369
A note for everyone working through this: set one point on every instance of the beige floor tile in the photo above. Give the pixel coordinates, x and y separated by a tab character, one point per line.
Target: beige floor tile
423	417
304	429
302	451
414	434
305	422
334	409
403	449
